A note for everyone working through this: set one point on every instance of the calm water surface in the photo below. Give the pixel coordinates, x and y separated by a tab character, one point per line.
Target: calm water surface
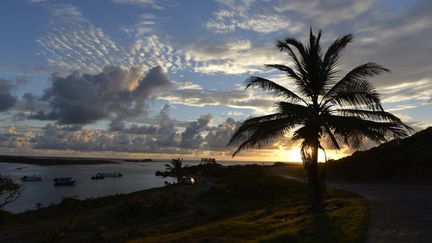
136	176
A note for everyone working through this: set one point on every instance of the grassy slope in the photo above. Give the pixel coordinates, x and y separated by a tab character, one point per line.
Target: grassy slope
406	160
401	161
233	205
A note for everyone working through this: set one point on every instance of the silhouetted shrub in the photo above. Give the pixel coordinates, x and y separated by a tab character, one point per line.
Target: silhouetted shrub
6	217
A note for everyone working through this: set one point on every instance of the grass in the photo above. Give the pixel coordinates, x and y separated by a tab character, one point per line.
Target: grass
234	204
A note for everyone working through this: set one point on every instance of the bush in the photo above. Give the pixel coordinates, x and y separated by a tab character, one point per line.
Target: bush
70	202
6	217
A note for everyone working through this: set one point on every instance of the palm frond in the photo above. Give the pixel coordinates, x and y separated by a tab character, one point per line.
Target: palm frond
269	85
291	73
359	94
352	130
262	130
332	137
357	75
334	50
285	45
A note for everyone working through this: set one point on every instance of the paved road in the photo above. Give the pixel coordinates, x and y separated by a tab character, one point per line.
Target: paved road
399	213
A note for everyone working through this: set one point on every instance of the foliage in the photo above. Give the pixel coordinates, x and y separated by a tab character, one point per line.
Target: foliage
399	161
9	190
175	168
318	104
6	217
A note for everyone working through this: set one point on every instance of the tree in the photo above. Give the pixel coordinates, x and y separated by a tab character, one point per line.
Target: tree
9	190
318	104
174	168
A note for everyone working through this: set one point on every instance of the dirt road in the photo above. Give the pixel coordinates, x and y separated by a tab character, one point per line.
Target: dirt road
399	213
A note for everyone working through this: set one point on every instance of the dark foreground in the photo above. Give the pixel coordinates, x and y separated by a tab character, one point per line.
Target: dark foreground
229	204
399	213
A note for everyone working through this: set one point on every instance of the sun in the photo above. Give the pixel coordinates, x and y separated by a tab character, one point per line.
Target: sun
293	154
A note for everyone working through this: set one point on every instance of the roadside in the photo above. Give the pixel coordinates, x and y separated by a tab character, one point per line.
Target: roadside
399	213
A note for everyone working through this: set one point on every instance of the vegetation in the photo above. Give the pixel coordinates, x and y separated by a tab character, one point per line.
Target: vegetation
175	168
234	204
399	161
318	105
9	190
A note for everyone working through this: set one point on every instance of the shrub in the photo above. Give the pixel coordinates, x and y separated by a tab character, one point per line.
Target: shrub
6	217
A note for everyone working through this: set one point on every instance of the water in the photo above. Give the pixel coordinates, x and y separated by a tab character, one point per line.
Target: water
136	176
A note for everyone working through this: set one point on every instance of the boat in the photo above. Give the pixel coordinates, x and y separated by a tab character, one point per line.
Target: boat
112	174
97	177
31	178
64	181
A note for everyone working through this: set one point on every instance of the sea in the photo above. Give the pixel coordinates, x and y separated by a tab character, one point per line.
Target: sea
136	176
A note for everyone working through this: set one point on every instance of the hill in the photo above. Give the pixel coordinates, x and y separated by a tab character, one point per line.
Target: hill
407	160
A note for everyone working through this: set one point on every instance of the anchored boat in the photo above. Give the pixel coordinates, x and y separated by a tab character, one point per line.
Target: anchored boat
64	181
111	174
31	178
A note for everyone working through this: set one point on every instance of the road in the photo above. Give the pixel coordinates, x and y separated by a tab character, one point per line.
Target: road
399	213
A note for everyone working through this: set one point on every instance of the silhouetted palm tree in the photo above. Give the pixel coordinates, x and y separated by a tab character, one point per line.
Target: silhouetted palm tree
175	168
345	110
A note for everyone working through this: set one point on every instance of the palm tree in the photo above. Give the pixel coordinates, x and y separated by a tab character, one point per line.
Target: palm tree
174	168
320	105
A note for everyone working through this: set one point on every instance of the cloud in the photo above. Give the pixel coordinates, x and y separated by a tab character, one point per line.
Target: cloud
191	137
324	12
234	56
243	15
87	98
12	138
231	98
165	136
7	99
157	4
75	44
219	136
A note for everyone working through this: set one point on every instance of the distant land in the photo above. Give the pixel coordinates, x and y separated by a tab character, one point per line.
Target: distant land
39	160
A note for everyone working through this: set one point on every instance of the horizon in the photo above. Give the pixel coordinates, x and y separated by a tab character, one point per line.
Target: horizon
78	81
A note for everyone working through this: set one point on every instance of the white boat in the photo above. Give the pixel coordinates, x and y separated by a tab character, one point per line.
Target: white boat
110	174
64	181
31	178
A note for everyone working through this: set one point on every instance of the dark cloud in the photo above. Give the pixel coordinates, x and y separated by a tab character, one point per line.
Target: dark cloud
218	136
7	100
162	138
191	137
113	93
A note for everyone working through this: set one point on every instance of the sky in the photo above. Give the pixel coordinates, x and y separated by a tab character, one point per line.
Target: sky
165	78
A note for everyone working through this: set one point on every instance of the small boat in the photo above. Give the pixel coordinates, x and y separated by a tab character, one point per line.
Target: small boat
64	181
31	178
97	177
112	174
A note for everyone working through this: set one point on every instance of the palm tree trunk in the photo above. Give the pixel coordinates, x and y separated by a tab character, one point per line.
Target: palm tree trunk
315	188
